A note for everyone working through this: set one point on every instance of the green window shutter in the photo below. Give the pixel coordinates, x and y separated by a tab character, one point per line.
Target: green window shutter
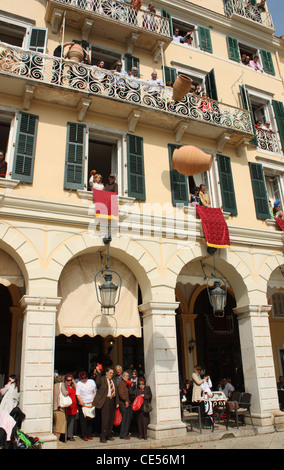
205	39
247	105
279	116
179	182
165	14
135	166
227	185
75	156
210	84
24	156
259	191
267	62
233	49
38	39
130	62
170	74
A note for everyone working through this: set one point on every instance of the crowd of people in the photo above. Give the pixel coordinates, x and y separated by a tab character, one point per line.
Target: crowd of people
106	402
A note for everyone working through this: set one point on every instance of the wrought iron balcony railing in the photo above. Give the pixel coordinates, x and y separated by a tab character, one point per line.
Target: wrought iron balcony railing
124	13
94	81
267	140
251	12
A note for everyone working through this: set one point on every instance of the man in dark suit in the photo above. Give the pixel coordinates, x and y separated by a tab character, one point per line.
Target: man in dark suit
106	400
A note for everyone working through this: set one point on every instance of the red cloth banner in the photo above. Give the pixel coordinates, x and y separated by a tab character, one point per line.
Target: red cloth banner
280	223
214	227
106	204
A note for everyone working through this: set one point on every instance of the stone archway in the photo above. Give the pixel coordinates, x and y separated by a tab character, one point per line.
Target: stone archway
12	287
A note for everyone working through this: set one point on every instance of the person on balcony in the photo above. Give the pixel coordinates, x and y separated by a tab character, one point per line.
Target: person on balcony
266	127
194	198
277	212
149	20
261	6
155	84
111	185
245	59
95	181
254	63
3	165
180	39
203	196
119	70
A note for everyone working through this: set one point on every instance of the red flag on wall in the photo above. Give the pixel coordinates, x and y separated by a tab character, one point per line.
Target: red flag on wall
106	204
214	227
280	223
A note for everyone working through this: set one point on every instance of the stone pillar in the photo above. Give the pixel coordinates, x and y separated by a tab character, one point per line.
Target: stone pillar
161	369
37	366
258	366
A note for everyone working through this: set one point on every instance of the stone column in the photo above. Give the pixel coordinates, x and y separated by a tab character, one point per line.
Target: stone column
258	366
37	366
161	369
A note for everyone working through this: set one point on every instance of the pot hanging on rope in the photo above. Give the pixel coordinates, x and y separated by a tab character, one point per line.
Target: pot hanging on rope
189	160
182	86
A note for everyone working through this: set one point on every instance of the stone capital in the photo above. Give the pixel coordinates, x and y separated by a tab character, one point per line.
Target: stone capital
252	310
29	301
158	308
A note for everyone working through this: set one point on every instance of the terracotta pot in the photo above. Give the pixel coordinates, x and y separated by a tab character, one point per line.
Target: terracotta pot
181	87
76	53
136	3
189	160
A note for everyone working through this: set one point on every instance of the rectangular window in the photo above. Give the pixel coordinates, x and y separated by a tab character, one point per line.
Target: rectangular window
75	156
179	182
205	39
23	165
233	49
259	191
267	62
135	167
227	185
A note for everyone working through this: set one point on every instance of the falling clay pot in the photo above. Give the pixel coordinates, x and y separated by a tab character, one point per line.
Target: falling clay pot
182	86
189	160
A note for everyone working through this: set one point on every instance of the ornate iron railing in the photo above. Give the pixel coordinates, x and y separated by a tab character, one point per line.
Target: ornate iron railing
251	12
267	140
92	80
124	13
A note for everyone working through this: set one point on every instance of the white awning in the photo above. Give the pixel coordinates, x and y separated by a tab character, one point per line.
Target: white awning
80	312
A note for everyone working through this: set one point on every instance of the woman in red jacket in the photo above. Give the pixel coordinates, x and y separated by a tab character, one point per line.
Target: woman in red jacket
72	410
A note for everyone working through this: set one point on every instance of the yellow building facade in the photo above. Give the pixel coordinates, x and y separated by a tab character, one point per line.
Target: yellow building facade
60	119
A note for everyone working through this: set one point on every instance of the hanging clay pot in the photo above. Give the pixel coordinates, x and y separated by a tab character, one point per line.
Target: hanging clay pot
76	53
189	160
182	86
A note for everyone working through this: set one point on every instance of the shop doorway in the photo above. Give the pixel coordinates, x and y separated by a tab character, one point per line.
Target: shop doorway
218	342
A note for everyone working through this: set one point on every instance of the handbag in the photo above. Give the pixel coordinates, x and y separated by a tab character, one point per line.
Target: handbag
64	402
117	417
89	411
147	407
138	402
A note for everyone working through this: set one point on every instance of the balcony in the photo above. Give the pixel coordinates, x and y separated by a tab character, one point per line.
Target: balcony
86	88
242	11
267	140
113	20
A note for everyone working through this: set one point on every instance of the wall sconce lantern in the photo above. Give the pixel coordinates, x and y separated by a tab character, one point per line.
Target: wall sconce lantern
108	293
191	345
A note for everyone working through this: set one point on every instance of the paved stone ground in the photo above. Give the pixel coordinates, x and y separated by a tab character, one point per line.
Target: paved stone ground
246	437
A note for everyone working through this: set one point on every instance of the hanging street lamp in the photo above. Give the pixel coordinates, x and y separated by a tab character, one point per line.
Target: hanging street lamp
107	292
